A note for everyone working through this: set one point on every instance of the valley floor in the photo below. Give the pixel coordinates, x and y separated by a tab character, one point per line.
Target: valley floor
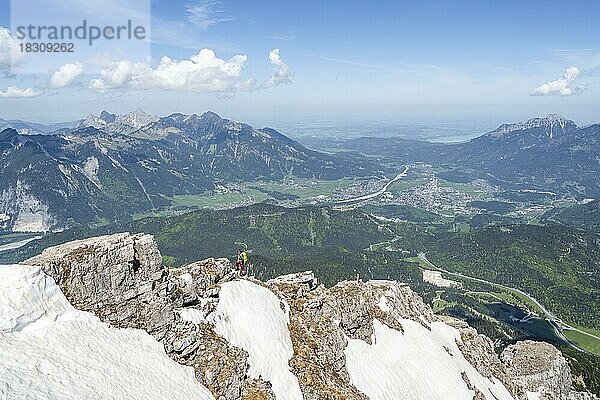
582	339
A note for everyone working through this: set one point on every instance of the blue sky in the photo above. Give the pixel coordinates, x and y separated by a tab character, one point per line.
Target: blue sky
347	59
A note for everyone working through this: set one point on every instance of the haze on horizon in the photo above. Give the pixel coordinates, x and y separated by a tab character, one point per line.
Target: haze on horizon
269	63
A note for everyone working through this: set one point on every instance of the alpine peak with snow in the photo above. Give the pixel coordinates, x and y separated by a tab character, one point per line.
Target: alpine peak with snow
307	200
103	318
125	123
111	167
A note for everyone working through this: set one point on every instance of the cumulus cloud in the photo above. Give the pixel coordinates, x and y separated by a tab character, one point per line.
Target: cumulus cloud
282	73
14	92
203	72
9	51
561	86
205	14
66	74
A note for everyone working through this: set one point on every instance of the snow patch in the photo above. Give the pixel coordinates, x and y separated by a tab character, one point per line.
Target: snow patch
416	364
249	316
233	126
533	396
90	170
195	315
30	300
186	278
383	305
52	351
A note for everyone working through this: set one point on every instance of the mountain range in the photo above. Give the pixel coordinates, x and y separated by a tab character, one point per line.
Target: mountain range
32	128
547	154
550	153
108	167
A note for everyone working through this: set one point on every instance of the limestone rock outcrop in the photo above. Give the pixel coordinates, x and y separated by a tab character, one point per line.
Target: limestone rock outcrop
120	279
541	368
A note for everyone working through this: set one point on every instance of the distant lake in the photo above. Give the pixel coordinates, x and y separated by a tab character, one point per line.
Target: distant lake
436	131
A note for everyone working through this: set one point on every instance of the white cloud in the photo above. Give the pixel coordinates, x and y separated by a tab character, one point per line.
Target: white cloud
282	73
14	92
203	72
66	74
120	74
9	51
561	86
205	14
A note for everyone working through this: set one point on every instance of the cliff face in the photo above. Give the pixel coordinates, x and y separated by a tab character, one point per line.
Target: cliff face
50	351
119	278
540	367
290	338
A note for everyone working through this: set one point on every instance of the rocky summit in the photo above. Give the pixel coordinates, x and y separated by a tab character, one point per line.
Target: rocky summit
110	167
287	338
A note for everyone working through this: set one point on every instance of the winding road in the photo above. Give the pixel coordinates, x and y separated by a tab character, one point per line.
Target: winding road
556	322
16	245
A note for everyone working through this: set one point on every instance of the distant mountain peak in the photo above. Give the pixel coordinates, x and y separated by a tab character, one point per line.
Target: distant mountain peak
118	123
92	121
210	115
107	117
137	118
553	125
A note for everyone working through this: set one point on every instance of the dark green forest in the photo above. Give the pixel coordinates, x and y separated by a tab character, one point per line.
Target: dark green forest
556	264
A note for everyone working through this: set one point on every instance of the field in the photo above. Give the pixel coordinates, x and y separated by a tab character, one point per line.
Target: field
306	189
295	191
438	304
584	341
215	200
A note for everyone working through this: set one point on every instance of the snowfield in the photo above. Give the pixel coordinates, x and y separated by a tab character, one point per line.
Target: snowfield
50	351
419	364
249	316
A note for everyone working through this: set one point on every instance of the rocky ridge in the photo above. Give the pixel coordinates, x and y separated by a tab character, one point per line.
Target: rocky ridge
112	167
120	279
552	124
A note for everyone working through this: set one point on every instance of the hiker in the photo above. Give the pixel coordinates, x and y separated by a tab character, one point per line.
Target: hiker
245	258
240	264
